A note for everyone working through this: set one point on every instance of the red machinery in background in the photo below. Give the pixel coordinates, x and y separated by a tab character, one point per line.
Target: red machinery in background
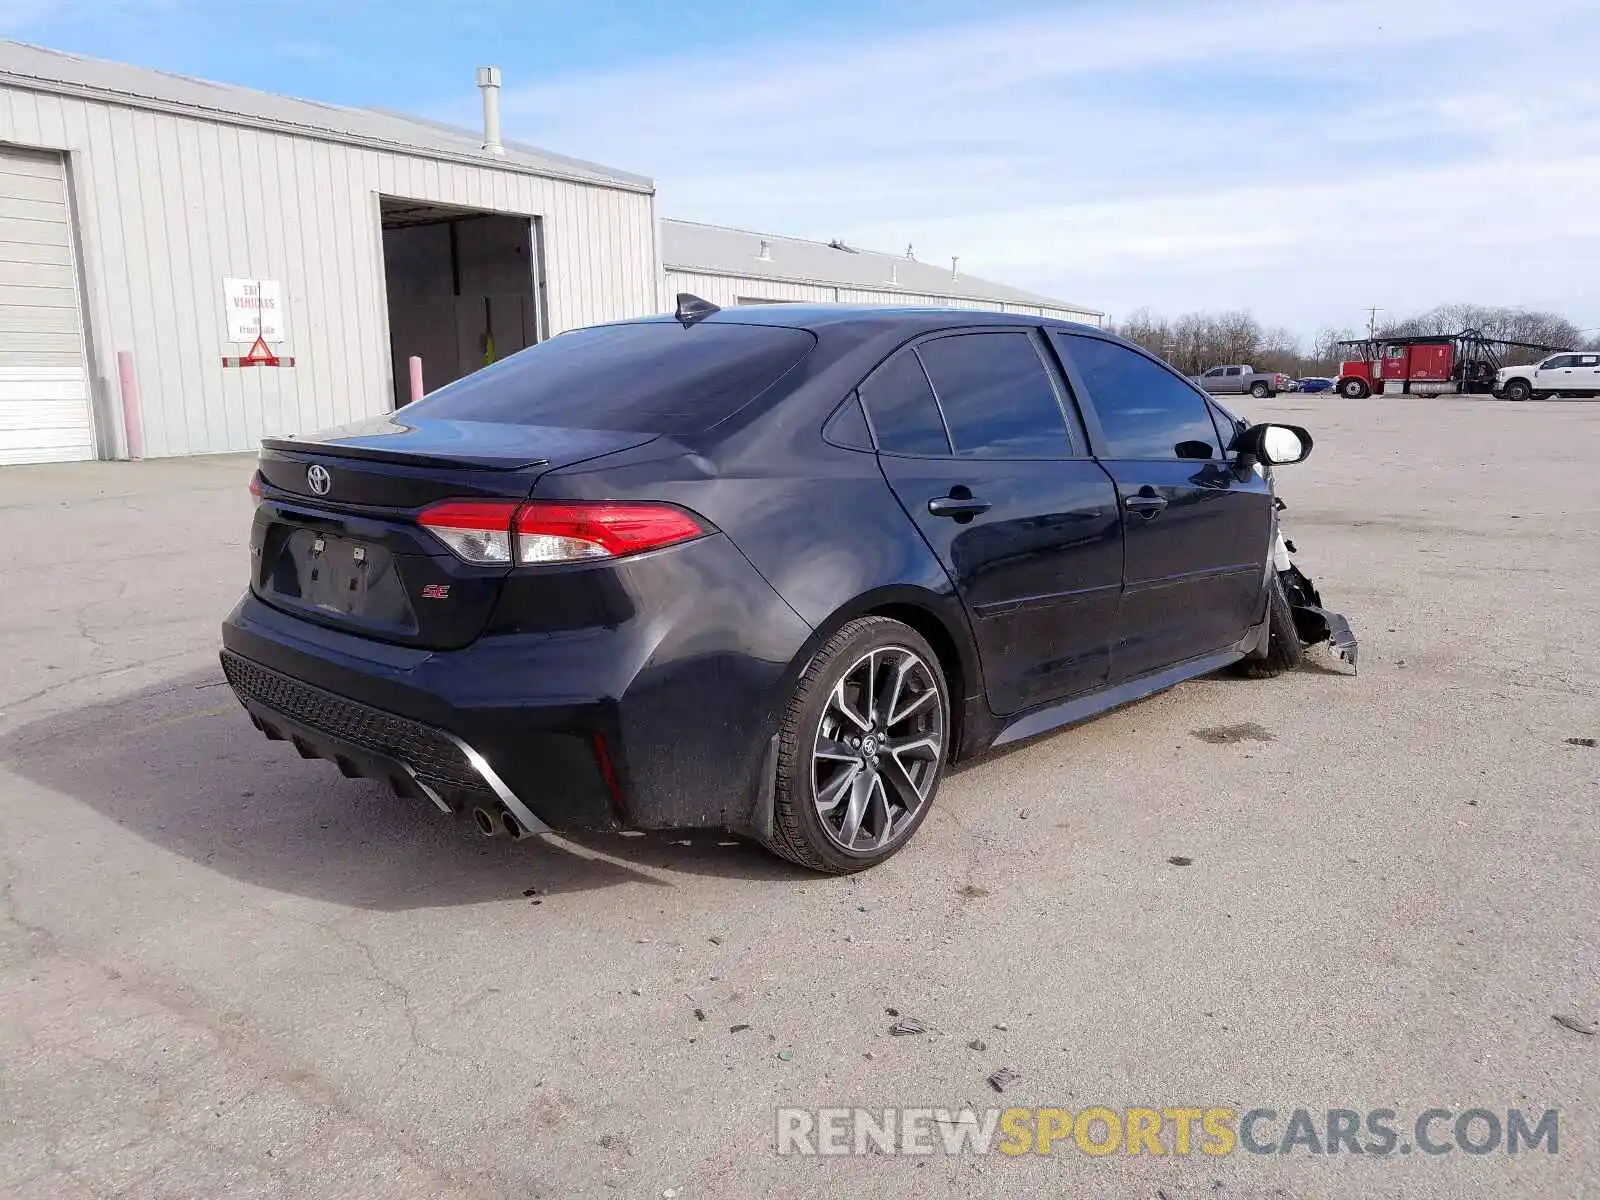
1440	364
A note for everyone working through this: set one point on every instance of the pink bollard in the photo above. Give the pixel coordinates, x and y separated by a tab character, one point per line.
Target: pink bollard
132	430
416	378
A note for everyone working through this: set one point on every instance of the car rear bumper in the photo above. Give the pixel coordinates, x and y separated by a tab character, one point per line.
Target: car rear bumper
364	742
409	724
658	721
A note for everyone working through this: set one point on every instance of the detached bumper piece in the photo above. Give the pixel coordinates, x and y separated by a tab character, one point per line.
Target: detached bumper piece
1313	622
414	759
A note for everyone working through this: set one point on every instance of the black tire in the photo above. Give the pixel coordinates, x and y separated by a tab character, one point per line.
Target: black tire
1355	389
1284	649
1260	391
798	827
1518	390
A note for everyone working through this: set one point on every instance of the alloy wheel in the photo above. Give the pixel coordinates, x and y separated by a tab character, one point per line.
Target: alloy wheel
878	749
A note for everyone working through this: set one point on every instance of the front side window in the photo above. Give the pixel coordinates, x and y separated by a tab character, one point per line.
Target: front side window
1559	361
1145	410
996	395
1215	373
900	404
1228	425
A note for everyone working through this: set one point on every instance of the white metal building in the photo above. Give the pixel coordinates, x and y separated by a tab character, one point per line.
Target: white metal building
156	215
156	229
734	266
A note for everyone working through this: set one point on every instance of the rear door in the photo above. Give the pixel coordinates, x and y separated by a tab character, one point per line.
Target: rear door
974	437
1589	372
1232	381
1196	527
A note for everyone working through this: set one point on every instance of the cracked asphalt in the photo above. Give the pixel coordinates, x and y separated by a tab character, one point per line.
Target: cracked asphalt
228	972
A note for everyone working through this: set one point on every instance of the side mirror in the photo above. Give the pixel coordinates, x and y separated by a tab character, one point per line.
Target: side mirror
1274	444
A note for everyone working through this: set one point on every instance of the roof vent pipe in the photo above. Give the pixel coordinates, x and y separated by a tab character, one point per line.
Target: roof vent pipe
954	262
489	85
894	274
766	251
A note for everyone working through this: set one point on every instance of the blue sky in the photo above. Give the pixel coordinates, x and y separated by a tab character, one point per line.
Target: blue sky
1300	158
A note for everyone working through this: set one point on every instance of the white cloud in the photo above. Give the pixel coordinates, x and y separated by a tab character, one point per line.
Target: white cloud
1303	158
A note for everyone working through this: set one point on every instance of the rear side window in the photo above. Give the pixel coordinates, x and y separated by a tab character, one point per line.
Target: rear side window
848	426
655	377
904	414
997	398
1145	410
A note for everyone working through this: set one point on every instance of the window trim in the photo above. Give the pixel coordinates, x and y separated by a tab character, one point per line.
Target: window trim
1098	444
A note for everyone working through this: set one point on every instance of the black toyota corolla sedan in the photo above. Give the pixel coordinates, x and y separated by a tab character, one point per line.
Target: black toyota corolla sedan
769	570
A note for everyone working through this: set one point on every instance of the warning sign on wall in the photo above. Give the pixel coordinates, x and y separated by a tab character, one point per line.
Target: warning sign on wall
255	310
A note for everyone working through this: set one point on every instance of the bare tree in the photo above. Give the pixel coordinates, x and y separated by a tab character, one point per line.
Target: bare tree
1512	324
1197	341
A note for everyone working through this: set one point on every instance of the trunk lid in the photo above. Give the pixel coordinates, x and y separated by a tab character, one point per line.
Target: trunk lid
336	539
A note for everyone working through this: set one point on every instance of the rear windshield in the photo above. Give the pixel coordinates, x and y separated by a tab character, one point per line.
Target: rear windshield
647	378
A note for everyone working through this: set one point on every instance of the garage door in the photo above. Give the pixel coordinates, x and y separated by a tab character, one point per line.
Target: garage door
44	387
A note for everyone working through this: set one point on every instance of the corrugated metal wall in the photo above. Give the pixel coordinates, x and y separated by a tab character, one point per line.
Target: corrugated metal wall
168	206
726	290
729	289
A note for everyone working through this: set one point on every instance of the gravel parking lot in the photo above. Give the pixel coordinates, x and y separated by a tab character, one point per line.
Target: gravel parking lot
225	971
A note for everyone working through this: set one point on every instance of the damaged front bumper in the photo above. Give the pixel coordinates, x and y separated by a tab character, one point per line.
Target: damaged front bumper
1312	621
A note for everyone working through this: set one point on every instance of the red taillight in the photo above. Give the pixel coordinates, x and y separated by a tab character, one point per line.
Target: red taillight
476	531
255	485
491	532
551	532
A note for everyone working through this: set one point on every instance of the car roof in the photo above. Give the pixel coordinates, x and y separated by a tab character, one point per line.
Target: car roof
872	317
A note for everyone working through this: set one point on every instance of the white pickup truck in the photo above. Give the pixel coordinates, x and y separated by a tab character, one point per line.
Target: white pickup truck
1240	378
1565	374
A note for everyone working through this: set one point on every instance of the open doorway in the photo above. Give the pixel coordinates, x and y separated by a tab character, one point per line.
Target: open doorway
463	288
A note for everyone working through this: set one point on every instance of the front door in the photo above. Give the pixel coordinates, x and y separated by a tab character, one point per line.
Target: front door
1197	528
1025	523
1556	374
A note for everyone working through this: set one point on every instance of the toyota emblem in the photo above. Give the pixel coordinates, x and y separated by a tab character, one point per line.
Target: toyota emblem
319	479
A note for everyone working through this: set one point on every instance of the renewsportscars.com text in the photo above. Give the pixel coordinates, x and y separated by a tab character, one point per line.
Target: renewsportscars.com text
1179	1130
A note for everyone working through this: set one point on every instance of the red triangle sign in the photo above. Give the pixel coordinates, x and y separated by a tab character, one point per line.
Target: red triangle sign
259	356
